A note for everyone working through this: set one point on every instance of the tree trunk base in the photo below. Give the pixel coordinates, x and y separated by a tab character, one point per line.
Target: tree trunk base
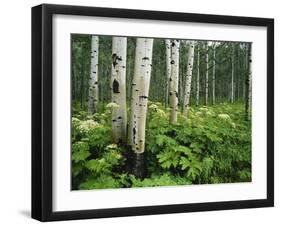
138	165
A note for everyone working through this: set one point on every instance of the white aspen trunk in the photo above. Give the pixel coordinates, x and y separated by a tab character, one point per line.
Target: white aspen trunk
237	67
214	76
118	88
174	81
168	68
140	91
188	76
198	76
250	80
245	75
207	76
93	81
232	75
133	124
249	100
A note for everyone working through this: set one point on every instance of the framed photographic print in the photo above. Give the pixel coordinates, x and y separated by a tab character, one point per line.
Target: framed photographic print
147	112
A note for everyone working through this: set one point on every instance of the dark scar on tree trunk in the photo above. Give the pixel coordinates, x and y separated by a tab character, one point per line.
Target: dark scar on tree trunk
115	86
115	58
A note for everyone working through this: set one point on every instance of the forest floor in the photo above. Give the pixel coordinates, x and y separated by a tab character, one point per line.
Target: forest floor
209	146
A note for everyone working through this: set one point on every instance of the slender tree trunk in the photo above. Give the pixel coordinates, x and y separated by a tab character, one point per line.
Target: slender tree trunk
93	81
232	74
214	76
248	104
140	91
82	80
198	75
207	75
245	74
238	74
174	81
188	78
118	87
168	69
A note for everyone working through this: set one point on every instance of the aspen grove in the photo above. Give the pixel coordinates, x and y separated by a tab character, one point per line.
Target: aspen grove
159	112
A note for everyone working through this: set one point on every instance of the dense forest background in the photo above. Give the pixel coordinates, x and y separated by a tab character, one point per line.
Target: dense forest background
187	122
81	48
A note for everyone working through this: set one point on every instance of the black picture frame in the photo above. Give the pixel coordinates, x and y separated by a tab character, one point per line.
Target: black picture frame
42	111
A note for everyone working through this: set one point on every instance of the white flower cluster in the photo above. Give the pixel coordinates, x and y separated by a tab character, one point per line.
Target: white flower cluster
87	125
224	116
111	146
161	113
153	106
112	105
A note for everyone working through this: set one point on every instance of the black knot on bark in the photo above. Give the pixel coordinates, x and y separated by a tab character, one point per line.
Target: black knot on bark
134	131
172	61
115	86
115	58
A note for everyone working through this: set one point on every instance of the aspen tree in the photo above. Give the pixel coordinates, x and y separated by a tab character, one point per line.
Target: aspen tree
214	75
140	91
232	74
248	82
207	75
174	81
168	68
188	76
198	75
118	88
93	81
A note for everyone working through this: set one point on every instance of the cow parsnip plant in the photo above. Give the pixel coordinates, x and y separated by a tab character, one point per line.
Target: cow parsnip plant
212	145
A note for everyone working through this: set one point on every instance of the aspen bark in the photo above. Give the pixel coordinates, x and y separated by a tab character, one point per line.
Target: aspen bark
207	75
245	74
214	76
140	91
198	75
118	88
188	76
248	83
168	69
174	81
232	74
93	81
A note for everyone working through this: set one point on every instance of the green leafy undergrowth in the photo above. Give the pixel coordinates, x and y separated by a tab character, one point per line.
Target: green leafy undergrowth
209	145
